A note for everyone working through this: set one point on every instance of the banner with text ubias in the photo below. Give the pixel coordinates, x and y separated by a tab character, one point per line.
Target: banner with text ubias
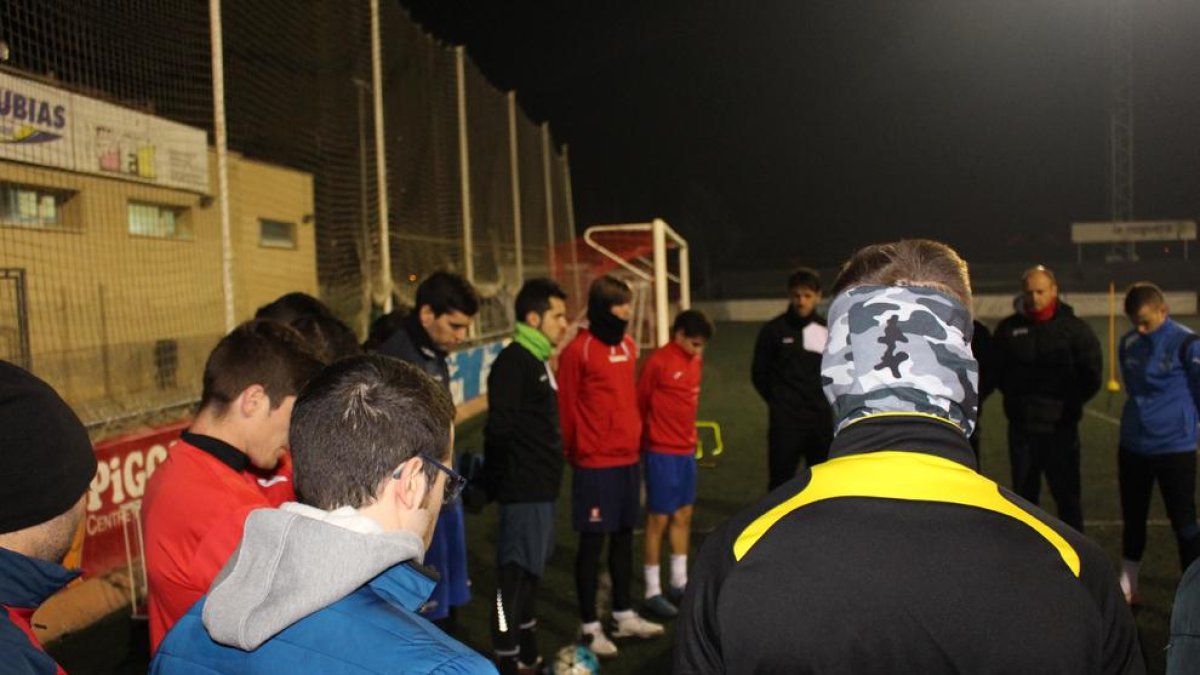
47	126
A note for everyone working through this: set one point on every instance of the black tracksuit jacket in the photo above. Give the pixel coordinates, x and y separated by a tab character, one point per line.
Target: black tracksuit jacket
787	375
1046	371
895	556
522	440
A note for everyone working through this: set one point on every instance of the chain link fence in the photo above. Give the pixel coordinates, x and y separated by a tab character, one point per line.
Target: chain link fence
118	267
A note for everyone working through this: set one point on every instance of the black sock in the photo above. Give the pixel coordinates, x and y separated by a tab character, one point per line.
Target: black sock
587	571
529	644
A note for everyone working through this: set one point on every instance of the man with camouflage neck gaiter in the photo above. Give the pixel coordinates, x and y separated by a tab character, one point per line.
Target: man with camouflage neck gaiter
896	555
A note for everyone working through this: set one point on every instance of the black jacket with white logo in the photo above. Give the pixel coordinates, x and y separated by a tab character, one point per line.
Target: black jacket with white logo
787	375
522	440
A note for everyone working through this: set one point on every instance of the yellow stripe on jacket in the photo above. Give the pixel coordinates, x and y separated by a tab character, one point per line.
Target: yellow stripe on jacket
909	476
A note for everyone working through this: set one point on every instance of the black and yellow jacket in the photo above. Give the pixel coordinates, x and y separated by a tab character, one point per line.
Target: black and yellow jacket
896	556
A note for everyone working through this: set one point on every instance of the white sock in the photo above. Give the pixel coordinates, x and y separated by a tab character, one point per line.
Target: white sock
1129	578
622	614
678	570
592	628
653	582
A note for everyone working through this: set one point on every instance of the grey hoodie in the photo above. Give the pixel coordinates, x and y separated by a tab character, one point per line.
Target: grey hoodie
294	561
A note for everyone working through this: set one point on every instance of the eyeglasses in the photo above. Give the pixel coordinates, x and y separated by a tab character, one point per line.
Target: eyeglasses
454	480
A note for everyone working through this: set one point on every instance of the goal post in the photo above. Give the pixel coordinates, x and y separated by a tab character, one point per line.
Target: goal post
654	259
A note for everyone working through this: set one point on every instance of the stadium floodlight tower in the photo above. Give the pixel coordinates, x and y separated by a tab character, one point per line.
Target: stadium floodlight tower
1120	122
641	252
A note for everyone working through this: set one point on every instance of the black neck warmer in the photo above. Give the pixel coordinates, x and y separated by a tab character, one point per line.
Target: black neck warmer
606	326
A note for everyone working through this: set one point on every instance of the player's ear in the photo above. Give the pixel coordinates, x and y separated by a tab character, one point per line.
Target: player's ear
251	399
411	483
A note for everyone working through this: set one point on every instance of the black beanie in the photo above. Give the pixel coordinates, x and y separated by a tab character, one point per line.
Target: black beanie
46	458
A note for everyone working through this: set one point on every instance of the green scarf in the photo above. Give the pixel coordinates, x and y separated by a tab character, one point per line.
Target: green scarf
534	340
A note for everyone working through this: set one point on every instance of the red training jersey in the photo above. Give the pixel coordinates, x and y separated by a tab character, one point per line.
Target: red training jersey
193	512
597	402
668	397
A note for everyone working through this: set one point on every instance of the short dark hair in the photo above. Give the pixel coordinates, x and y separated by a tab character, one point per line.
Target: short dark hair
262	352
693	323
291	306
608	291
1141	294
327	336
360	419
805	277
384	327
447	292
915	262
535	295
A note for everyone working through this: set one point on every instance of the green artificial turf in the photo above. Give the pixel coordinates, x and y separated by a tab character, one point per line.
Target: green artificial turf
740	476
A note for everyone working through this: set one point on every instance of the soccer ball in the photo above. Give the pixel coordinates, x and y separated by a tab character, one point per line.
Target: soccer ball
575	660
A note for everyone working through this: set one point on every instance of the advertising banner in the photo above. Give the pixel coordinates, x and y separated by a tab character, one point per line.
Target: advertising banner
469	369
51	127
112	529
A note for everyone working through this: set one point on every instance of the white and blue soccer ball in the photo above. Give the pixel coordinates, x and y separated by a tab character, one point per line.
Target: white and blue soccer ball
576	660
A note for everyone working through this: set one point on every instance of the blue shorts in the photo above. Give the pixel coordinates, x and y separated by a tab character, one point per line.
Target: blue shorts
606	500
448	555
526	536
670	482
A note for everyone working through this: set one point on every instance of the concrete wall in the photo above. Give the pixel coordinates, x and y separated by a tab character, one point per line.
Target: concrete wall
106	308
263	273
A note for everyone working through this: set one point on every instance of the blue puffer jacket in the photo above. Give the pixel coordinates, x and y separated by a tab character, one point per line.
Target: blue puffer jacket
305	596
25	583
1162	377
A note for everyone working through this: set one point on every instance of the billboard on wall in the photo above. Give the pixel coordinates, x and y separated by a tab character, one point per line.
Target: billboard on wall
47	126
1132	231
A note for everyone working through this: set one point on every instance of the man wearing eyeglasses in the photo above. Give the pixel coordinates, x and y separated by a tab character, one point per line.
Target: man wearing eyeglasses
334	583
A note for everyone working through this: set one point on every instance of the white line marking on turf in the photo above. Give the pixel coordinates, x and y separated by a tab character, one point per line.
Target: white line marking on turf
1101	416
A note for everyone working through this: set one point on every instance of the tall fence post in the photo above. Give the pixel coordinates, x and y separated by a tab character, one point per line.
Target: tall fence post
385	250
514	169
219	137
551	258
464	164
570	197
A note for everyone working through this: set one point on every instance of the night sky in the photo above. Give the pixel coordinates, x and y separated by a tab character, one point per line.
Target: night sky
779	132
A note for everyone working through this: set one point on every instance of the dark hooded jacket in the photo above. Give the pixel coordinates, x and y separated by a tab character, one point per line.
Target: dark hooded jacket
1047	370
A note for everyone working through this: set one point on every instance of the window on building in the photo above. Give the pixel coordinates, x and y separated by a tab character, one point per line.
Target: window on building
276	233
31	206
159	220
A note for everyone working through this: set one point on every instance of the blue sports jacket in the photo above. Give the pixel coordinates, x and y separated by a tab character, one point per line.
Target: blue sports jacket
1162	378
25	583
375	629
